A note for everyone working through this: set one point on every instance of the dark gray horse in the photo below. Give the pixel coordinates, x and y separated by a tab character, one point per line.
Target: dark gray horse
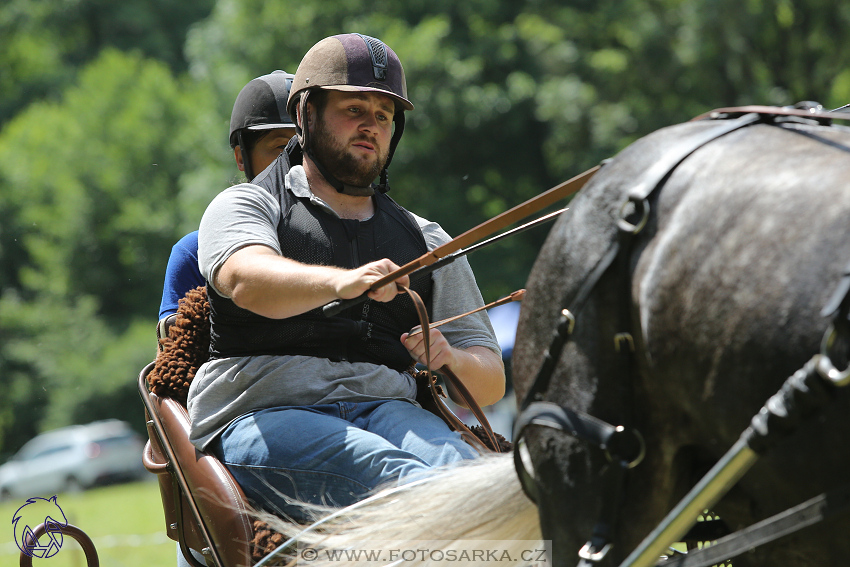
745	243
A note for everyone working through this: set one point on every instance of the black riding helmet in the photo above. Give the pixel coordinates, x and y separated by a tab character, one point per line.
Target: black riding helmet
351	62
260	105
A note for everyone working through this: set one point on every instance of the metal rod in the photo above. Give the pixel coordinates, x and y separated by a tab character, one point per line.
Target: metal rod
704	495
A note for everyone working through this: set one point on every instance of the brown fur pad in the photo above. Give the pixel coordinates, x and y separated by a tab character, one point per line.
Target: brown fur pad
505	446
185	348
265	540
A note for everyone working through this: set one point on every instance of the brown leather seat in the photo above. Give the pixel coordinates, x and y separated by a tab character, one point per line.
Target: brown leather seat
210	514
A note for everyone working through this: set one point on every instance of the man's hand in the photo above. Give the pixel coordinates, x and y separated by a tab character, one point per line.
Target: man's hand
442	354
480	369
354	283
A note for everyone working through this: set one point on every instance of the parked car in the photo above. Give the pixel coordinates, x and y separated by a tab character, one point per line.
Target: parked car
73	458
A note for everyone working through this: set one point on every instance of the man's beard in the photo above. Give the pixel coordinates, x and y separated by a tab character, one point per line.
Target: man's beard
340	163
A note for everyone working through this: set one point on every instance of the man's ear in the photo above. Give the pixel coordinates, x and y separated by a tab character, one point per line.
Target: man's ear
237	154
309	110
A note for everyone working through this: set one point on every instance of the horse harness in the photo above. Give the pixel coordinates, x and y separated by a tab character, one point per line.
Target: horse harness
623	445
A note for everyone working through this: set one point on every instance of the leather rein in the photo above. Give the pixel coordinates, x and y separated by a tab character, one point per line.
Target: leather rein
459	387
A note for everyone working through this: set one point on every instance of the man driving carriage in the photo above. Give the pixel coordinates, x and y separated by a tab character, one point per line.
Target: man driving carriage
305	408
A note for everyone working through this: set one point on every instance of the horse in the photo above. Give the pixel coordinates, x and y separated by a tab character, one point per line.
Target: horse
721	293
743	240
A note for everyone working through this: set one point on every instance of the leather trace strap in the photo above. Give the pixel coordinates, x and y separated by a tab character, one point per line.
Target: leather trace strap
456	383
820	115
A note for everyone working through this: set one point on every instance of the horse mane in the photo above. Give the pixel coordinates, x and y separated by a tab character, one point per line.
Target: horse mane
470	506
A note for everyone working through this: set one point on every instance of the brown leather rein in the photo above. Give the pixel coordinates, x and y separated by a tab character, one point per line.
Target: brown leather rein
515	296
448	416
489	227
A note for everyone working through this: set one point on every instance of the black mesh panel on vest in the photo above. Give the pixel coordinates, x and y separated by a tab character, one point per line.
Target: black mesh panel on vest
366	333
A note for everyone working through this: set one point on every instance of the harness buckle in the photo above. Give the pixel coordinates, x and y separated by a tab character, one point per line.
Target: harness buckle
624	338
825	366
587	553
569	319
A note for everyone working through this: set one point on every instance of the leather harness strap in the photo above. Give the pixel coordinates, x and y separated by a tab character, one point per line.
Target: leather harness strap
633	218
595	550
822	116
447	415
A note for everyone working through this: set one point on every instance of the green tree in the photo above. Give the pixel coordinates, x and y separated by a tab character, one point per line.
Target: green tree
44	42
94	190
512	98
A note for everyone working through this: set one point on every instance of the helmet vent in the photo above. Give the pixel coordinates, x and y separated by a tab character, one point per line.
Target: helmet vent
378	52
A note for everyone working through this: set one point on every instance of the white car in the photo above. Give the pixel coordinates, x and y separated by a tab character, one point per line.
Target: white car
73	458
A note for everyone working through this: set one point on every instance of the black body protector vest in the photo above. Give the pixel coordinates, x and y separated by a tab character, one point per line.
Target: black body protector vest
366	333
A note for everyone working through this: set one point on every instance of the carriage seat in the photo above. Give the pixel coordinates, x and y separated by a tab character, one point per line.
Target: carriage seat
205	509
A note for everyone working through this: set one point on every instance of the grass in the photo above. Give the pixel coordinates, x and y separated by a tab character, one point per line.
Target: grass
124	521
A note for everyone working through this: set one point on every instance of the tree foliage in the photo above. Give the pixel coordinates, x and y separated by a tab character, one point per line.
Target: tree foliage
43	43
95	188
113	137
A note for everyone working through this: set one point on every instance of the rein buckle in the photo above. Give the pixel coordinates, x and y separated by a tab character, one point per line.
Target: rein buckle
587	553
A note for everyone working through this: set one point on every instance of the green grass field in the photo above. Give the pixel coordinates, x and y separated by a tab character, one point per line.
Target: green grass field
124	521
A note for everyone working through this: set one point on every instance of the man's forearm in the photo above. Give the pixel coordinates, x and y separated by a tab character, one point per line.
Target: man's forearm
256	278
482	372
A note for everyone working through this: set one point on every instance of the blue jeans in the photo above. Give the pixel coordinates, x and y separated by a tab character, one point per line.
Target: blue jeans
333	454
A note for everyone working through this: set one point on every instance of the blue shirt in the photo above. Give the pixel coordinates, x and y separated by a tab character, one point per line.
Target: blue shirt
182	273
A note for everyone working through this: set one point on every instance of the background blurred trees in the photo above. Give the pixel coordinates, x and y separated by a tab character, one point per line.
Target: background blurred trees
113	138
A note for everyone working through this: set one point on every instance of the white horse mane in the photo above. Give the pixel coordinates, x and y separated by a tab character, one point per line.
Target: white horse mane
477	503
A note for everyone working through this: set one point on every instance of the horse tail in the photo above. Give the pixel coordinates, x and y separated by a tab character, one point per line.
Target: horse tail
450	512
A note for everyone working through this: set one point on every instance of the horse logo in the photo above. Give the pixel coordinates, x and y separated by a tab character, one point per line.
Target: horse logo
36	511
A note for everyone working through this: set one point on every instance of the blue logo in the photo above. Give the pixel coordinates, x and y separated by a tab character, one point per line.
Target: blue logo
39	511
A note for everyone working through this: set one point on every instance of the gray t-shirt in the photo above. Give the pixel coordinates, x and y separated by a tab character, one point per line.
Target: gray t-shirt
224	389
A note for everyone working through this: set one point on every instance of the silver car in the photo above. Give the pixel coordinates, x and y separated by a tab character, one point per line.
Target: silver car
73	458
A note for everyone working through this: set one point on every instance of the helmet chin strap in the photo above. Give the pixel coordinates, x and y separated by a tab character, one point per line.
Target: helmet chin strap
382	187
246	161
